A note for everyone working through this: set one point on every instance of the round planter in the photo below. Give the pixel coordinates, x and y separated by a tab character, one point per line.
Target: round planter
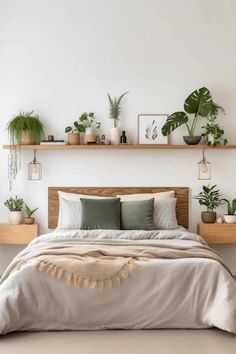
230	219
27	139
15	217
192	140
208	217
115	136
90	131
29	221
73	139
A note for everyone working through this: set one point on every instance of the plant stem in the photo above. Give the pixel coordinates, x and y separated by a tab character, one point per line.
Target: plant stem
189	131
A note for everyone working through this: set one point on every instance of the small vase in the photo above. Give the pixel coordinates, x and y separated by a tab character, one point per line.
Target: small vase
230	219
208	217
29	221
15	217
27	138
73	139
90	136
192	140
115	136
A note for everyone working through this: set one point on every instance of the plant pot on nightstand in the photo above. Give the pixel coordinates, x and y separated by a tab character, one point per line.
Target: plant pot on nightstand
208	217
15	217
230	219
29	221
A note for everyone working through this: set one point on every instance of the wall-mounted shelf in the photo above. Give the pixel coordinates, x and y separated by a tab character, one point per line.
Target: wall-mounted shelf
124	147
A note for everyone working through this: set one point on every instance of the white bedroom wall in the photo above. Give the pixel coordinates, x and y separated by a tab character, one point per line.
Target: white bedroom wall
61	57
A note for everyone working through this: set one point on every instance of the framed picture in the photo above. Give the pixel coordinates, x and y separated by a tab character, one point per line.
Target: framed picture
149	129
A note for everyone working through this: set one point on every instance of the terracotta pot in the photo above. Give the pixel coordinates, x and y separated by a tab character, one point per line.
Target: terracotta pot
208	217
230	219
73	138
27	139
29	221
15	217
192	140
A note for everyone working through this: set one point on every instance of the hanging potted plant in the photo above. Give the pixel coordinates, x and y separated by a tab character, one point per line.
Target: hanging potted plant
230	217
209	197
29	212
199	104
15	205
25	129
115	111
90	125
74	133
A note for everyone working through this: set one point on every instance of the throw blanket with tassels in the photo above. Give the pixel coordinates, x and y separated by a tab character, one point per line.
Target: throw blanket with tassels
96	263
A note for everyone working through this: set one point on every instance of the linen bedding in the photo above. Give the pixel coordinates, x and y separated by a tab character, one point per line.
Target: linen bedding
185	291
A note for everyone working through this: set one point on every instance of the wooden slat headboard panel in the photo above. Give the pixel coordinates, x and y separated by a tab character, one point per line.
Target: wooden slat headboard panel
181	193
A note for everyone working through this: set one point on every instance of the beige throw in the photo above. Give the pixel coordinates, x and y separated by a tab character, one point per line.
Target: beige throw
98	264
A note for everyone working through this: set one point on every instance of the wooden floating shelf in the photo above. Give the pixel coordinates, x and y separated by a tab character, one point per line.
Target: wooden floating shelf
123	147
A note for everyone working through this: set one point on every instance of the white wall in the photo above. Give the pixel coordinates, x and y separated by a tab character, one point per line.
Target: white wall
61	57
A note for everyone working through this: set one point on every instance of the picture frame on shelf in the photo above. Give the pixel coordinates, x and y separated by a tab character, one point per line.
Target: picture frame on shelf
149	128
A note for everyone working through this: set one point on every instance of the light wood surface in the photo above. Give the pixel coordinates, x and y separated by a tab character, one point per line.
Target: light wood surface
181	193
124	147
218	233
18	234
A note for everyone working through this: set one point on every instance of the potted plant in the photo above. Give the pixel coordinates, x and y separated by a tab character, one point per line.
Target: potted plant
199	104
230	218
15	205
115	111
213	132
90	124
209	197
25	129
29	212
74	133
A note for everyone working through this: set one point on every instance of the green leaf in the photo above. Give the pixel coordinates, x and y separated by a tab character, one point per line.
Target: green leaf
174	121
68	129
199	102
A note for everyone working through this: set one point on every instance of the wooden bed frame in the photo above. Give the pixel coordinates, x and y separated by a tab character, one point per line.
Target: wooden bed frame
181	193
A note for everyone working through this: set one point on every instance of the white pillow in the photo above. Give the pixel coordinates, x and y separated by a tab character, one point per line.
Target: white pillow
70	210
164	216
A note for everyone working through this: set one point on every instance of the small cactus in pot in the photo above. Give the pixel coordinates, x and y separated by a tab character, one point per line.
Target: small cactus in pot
29	212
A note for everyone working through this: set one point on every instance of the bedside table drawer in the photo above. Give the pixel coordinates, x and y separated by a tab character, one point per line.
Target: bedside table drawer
218	233
18	234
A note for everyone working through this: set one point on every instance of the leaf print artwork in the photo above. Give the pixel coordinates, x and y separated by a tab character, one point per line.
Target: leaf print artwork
151	131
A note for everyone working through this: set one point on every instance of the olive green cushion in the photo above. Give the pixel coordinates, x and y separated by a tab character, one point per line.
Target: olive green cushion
137	215
100	214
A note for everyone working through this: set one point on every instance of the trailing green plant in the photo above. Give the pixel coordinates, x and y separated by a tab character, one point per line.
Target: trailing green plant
25	122
198	103
231	206
212	128
210	197
14	204
115	108
29	212
86	120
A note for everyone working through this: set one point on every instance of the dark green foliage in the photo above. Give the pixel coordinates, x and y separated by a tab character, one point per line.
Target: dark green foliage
29	212
14	204
210	197
231	206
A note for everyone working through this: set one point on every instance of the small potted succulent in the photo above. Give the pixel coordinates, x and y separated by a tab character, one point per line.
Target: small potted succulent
230	217
90	124
209	197
115	111
29	212
15	205
198	104
74	133
25	129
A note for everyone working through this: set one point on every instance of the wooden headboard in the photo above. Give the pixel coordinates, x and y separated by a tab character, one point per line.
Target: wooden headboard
181	193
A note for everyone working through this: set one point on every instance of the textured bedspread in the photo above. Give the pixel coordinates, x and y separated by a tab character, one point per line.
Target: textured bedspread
179	292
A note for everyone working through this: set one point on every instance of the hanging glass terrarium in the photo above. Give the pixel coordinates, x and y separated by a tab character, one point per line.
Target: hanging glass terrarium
34	169
204	168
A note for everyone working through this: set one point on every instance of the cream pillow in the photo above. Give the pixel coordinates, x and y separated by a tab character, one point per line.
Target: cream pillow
144	196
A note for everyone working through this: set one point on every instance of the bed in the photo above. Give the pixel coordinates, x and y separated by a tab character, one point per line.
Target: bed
94	279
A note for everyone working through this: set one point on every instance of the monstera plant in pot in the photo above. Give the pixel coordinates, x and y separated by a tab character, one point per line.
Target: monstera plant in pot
115	111
197	104
209	197
230	217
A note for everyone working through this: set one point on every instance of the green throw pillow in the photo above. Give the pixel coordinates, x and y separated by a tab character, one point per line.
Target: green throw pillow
137	215
100	214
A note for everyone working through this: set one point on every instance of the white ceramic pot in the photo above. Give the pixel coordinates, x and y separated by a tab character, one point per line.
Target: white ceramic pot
210	139
90	131
115	136
230	219
15	217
